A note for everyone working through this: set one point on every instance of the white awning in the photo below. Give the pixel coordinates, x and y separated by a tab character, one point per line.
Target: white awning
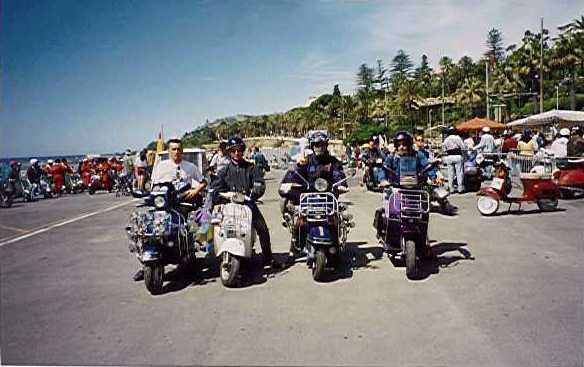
551	117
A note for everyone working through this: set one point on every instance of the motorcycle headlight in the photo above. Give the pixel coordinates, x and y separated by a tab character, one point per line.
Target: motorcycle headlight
159	202
320	184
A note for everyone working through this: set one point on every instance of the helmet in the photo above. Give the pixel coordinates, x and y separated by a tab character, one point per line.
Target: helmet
565	132
50	161
451	130
375	139
486	129
405	137
527	132
14	163
317	136
34	161
235	141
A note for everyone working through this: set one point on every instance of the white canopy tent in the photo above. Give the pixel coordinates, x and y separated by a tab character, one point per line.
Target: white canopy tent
560	117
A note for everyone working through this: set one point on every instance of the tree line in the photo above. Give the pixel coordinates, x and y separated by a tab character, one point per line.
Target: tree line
402	95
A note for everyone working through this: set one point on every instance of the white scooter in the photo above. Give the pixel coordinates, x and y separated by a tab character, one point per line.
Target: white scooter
234	236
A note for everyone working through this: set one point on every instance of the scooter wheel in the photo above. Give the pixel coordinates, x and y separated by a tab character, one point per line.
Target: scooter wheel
319	265
229	269
411	260
487	205
547	205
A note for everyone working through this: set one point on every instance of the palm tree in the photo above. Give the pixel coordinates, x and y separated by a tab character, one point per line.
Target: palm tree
469	94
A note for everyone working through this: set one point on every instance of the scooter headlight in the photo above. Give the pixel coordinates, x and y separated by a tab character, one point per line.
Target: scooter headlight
320	184
159	202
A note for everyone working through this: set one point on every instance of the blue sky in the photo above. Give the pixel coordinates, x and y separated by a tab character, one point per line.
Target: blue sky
84	76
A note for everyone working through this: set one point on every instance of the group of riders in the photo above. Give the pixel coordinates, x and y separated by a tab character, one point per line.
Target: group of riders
234	173
58	176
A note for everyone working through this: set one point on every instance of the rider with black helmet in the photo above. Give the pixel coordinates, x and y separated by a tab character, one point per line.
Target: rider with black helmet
243	177
404	147
317	163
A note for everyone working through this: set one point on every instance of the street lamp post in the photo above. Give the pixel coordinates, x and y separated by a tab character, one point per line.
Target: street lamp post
557	97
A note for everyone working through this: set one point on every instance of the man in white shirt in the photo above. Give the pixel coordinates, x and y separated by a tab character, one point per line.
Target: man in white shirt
560	146
176	168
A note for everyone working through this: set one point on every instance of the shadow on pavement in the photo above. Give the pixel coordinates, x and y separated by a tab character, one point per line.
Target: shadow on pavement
442	259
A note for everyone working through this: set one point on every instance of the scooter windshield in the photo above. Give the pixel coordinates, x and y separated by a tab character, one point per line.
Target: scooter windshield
408	173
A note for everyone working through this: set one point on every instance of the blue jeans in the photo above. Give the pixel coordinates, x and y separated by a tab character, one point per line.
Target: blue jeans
455	164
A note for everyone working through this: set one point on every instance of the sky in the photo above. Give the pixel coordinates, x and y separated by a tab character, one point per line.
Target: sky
81	76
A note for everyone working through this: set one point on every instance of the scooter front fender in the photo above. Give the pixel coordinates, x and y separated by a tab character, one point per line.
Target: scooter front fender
235	247
150	253
489	191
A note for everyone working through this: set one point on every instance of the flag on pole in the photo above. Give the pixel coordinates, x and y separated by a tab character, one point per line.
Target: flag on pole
160	142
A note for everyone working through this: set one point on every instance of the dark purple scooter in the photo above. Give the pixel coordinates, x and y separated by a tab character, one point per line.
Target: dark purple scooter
402	221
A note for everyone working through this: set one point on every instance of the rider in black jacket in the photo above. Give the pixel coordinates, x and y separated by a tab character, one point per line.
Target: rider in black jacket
243	177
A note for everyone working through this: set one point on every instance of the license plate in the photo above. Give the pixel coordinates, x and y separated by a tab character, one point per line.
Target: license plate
497	183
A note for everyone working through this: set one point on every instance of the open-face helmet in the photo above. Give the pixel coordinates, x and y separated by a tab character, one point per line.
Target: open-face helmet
451	130
403	136
34	161
235	142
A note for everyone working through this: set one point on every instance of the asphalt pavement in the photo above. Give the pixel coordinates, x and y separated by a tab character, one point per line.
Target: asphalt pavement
502	291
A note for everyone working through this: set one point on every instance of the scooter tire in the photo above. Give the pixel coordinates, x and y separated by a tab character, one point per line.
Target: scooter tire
319	265
6	201
487	205
91	191
411	261
547	205
229	270
153	277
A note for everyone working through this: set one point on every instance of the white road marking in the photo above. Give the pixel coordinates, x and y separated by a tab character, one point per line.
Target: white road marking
68	221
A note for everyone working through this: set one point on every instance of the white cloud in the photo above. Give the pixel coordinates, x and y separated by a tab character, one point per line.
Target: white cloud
456	28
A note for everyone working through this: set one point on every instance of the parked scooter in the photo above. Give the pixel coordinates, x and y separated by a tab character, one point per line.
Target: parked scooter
371	176
570	177
537	187
472	172
318	225
402	222
164	233
6	192
234	236
122	185
73	183
100	181
439	202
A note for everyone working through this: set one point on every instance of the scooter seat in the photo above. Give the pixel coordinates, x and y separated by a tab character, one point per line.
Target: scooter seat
570	163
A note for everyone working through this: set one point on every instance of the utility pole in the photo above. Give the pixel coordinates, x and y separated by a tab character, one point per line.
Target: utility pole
557	97
442	100
487	78
541	71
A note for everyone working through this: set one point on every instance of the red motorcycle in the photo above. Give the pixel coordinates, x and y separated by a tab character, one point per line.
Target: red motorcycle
537	187
101	178
570	177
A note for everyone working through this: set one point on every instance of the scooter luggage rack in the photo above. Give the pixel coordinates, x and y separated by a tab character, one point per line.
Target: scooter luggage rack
414	204
526	167
315	205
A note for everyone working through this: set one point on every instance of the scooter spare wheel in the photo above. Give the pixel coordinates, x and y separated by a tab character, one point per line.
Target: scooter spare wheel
487	205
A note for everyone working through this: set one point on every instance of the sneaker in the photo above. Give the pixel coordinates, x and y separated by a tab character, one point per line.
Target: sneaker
138	276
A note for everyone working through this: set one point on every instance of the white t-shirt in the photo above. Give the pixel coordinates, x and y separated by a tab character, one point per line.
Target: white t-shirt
560	147
167	171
